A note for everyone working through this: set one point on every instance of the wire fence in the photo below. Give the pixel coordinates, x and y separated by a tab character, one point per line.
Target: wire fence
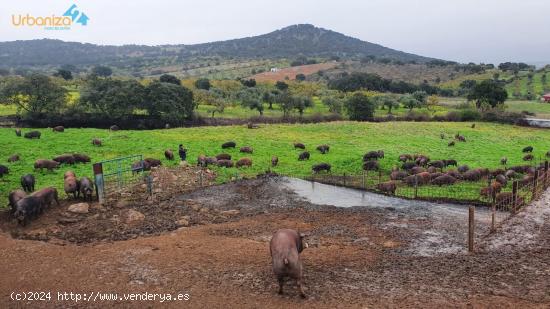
504	200
116	174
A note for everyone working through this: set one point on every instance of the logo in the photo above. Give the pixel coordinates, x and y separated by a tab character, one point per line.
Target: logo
70	18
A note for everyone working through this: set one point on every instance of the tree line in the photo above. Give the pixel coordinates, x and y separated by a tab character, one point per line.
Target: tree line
39	95
173	100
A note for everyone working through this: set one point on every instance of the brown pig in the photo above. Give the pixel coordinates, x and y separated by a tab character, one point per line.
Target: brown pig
47	164
285	248
71	185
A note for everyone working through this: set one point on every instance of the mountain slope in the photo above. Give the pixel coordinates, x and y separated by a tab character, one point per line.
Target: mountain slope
288	42
306	40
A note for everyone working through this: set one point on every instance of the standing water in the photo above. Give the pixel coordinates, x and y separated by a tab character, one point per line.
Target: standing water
443	226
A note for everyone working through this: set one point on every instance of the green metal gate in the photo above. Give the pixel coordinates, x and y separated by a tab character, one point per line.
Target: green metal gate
115	174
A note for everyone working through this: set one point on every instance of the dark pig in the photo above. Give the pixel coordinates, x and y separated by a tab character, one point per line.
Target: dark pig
86	188
27	182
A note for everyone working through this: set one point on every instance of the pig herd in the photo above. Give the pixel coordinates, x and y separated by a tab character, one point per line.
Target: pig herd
420	170
225	159
27	204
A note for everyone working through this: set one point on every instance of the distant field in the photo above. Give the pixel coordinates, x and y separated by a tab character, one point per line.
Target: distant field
522	86
455	83
541	110
7	110
412	73
290	73
487	143
227	69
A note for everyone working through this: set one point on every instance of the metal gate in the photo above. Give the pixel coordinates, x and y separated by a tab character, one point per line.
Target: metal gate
115	174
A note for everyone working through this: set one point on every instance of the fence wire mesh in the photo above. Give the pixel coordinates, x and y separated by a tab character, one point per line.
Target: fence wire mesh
504	201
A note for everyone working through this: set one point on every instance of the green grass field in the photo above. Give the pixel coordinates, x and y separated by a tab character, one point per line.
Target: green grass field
540	109
242	112
7	110
485	145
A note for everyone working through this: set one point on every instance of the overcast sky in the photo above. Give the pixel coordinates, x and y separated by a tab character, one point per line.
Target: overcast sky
489	31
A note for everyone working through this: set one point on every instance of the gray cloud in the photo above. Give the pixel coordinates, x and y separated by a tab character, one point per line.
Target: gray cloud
466	30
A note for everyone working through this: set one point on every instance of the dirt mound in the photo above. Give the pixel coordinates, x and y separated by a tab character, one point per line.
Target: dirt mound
128	213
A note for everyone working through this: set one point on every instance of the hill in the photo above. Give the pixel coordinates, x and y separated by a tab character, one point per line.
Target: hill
289	42
304	39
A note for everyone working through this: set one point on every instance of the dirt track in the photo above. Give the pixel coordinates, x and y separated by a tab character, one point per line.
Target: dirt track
358	257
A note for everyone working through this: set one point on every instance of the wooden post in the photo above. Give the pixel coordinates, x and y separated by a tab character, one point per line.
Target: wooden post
363	180
514	196
471	229
367	179
344	179
99	182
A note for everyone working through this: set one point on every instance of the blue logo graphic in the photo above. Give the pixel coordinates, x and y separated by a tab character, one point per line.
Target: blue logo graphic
80	17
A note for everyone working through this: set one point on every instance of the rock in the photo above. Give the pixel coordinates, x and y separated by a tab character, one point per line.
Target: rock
195	207
133	217
80	208
182	222
232	212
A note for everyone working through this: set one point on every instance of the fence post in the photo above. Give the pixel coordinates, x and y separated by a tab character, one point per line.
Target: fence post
344	179
99	183
514	196
415	186
493	211
545	175
119	175
471	228
149	180
366	179
535	184
363	181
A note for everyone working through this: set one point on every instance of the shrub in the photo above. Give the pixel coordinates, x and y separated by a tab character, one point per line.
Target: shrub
469	115
453	116
417	116
360	107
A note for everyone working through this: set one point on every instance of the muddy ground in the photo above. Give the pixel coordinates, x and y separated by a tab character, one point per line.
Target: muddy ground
212	243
